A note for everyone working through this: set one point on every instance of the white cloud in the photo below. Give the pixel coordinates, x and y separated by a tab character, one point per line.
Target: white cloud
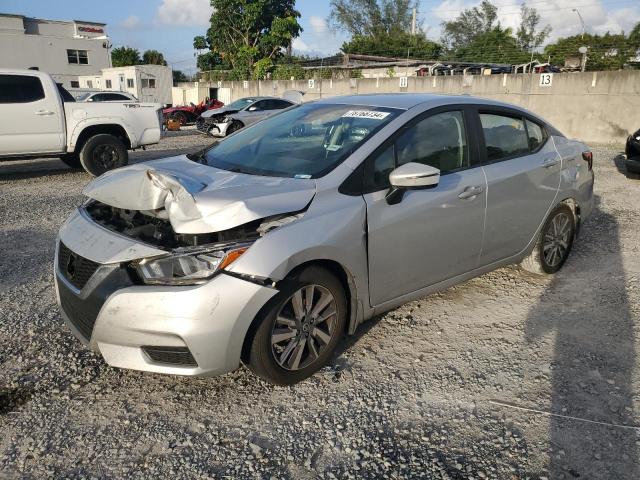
130	22
559	14
184	13
318	24
300	45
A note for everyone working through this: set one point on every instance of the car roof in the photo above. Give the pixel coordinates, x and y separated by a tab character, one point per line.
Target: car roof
406	101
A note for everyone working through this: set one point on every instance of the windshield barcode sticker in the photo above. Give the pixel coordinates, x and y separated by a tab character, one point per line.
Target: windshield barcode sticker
366	114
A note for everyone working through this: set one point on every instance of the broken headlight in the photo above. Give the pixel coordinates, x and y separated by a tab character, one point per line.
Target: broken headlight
187	267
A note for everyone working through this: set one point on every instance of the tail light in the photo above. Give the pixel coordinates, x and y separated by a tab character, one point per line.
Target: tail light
588	157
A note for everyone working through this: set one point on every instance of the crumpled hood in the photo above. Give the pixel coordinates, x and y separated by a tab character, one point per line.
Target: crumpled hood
217	111
199	198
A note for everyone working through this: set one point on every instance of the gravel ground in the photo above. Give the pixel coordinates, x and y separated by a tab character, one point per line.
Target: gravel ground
508	376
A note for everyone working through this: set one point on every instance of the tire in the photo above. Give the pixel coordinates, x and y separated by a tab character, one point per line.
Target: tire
103	152
72	160
552	249
305	346
234	127
181	117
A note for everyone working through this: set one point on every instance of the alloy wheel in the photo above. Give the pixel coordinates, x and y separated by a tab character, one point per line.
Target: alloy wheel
556	240
106	156
304	327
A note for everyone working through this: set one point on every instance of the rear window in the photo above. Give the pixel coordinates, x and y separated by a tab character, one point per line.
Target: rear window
20	89
504	136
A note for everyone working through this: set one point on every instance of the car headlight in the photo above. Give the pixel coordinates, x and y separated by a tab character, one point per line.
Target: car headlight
187	267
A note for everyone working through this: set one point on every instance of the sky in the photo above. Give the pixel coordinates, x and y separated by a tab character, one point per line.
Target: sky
170	25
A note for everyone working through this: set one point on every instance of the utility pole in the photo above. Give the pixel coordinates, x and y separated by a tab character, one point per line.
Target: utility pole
413	21
581	21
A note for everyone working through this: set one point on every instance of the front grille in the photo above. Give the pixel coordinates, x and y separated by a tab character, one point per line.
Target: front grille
171	356
76	269
82	313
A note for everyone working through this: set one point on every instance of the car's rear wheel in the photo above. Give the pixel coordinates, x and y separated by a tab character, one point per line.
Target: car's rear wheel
300	328
103	152
554	242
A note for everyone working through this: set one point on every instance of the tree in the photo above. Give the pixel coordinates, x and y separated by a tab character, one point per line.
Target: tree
605	52
211	61
245	31
200	43
399	44
494	46
371	18
125	56
471	23
528	36
179	76
153	57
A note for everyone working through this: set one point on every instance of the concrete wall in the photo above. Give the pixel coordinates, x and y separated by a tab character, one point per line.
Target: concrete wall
598	107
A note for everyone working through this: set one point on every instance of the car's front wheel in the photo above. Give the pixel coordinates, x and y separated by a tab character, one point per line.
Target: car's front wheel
300	329
554	243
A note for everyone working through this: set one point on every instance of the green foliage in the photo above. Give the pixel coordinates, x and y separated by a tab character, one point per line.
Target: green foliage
391	72
394	45
125	56
262	68
179	76
605	52
153	57
528	35
370	18
468	25
245	31
210	61
288	71
495	46
200	43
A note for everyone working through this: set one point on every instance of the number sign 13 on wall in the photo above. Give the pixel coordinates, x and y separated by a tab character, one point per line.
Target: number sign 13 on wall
546	79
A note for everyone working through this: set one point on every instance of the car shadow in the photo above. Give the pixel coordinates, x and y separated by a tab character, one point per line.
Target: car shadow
619	161
586	309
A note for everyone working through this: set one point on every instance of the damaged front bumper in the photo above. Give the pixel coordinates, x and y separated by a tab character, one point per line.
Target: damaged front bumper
187	330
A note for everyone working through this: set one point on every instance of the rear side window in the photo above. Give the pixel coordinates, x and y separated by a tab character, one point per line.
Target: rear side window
20	89
536	135
504	136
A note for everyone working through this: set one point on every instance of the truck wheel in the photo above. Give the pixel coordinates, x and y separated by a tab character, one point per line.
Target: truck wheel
103	152
71	160
298	332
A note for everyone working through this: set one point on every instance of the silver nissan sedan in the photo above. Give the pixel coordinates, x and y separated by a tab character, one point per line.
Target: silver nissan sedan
270	246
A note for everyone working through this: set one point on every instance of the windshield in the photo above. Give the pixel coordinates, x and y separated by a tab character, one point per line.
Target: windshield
241	103
306	141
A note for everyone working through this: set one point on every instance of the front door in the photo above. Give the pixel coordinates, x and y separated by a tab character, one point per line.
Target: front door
33	115
432	234
523	176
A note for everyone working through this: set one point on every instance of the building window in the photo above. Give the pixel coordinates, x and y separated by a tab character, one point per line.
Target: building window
129	82
89	83
107	84
75	84
148	82
78	57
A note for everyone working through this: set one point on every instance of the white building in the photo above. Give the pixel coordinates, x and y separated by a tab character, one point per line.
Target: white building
66	50
149	83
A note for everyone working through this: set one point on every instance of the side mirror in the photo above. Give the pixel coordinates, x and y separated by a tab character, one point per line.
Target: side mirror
252	108
411	176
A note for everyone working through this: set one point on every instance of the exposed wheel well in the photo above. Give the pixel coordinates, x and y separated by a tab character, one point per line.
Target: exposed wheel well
334	267
575	208
109	129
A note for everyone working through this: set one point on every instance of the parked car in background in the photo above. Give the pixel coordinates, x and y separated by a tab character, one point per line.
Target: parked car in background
207	119
106	97
632	152
273	243
220	125
41	119
189	113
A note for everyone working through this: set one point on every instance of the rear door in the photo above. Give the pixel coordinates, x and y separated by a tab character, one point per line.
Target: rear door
432	234
522	168
32	116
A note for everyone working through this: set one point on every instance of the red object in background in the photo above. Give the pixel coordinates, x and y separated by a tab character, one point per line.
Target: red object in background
189	113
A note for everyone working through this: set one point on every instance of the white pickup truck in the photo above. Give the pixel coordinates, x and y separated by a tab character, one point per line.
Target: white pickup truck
38	118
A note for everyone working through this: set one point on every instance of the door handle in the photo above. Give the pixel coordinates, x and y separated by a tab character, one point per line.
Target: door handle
44	112
550	161
471	192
